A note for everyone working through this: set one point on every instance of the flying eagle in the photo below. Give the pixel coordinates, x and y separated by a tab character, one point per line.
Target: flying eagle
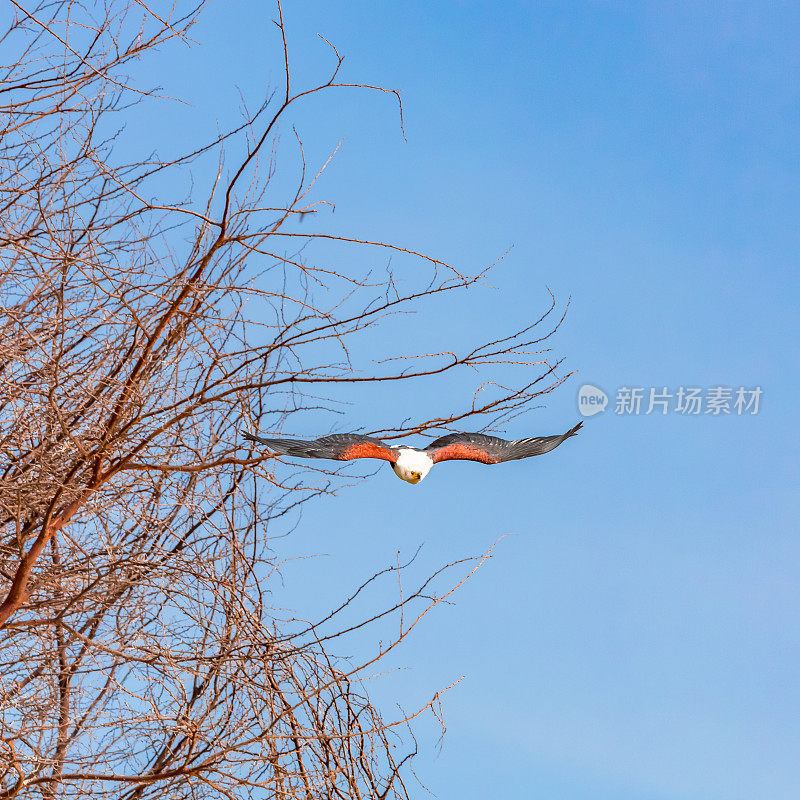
409	463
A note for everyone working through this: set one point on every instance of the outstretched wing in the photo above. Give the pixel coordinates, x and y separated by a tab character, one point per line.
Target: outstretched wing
492	449
339	446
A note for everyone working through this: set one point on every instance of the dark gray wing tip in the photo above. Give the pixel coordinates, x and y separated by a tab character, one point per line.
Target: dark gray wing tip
258	440
538	445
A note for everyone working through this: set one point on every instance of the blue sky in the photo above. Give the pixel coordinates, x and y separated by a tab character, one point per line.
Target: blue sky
638	638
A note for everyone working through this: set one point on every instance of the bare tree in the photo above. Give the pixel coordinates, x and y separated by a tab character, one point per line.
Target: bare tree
139	653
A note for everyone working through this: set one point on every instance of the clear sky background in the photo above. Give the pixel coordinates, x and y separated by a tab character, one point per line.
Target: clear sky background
639	638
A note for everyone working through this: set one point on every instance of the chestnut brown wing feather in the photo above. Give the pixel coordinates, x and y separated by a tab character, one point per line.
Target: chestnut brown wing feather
492	449
338	446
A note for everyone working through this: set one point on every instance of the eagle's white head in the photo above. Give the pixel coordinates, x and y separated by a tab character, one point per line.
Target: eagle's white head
412	465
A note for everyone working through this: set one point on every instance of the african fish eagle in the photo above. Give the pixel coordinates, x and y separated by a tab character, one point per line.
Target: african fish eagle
409	463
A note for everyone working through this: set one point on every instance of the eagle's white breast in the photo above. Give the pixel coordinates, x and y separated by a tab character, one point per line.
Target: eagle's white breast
412	465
